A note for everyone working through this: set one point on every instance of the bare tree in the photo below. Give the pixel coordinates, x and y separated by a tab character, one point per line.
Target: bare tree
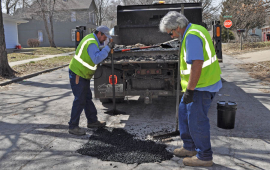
246	14
209	10
10	5
102	6
47	10
5	69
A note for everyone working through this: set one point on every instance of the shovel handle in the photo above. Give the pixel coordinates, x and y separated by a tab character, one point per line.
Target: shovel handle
111	40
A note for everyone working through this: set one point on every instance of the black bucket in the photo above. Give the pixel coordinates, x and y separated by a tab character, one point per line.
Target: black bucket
226	114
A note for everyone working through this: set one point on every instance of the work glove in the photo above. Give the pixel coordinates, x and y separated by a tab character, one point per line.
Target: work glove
111	45
188	96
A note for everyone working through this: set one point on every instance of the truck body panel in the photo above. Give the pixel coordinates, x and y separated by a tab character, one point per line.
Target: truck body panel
147	73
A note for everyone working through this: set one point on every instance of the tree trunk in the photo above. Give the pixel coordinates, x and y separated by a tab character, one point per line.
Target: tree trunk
52	44
5	69
7	8
100	20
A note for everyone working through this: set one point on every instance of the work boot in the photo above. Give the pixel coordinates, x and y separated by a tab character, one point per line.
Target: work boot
77	131
194	161
182	152
96	124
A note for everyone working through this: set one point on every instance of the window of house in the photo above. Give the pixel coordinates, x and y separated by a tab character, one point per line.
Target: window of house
92	18
73	16
73	34
48	19
40	36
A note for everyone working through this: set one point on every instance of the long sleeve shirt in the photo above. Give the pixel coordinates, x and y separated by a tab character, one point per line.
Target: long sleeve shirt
96	54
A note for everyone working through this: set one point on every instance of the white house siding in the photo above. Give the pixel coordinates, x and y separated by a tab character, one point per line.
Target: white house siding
11	34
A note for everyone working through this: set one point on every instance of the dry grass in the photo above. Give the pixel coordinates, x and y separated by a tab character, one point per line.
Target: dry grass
49	50
37	66
260	70
28	53
234	48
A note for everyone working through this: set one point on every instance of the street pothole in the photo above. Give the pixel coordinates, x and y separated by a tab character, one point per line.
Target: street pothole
114	144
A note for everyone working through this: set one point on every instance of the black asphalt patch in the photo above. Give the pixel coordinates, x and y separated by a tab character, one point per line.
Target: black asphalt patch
115	144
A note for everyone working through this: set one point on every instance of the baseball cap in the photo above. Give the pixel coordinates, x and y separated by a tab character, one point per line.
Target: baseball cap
105	30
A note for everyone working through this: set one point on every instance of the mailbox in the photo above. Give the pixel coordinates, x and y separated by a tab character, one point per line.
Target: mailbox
240	30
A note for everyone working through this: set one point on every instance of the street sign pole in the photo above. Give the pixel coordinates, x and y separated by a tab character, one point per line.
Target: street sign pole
228	35
241	39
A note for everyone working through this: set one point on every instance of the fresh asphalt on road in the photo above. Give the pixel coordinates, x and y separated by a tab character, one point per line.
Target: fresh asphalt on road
34	130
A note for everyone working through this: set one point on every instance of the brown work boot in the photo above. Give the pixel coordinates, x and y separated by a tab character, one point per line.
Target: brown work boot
96	124
194	161
182	152
77	131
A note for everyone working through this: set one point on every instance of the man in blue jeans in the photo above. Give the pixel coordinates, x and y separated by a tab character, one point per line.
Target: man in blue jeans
200	80
81	69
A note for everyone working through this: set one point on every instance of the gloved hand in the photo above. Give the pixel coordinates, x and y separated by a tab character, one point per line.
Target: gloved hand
188	96
111	45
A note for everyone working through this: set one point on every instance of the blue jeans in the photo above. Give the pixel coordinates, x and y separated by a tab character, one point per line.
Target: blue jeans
194	124
82	100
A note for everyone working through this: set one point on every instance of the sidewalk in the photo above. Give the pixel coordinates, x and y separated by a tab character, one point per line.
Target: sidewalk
257	56
39	58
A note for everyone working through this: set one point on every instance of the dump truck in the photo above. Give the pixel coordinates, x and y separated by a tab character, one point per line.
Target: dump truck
148	73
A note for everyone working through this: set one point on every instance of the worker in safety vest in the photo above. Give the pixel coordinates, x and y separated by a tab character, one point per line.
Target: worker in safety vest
81	69
200	80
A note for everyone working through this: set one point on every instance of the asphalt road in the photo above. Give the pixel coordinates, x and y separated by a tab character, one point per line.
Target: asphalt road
34	130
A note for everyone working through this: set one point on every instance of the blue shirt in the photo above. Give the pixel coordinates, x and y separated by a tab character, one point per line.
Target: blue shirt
194	51
95	53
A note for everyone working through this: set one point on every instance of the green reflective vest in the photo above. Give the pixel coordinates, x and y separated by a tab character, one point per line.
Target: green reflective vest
82	64
210	70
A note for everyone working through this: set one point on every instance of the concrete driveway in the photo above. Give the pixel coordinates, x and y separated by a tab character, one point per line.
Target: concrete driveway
34	115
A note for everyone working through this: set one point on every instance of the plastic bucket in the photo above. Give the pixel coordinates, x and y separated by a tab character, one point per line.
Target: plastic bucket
226	114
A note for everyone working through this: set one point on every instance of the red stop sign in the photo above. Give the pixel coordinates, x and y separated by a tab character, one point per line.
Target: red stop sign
227	23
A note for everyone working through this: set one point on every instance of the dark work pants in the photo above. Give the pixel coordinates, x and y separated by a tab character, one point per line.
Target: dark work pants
194	124
82	100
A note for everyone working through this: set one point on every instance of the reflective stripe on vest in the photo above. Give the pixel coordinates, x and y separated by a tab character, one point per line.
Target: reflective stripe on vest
205	63
78	57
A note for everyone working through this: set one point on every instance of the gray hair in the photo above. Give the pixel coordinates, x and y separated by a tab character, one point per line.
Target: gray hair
172	20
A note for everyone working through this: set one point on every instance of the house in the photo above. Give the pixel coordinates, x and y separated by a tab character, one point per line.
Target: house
11	30
256	31
67	16
266	29
266	33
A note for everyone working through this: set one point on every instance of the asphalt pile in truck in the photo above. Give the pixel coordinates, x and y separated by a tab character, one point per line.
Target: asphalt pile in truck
129	56
115	144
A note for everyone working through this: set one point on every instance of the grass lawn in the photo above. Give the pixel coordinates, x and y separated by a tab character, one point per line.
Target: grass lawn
37	66
28	53
235	48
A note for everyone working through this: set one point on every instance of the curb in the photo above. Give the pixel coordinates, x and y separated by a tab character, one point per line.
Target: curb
31	75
